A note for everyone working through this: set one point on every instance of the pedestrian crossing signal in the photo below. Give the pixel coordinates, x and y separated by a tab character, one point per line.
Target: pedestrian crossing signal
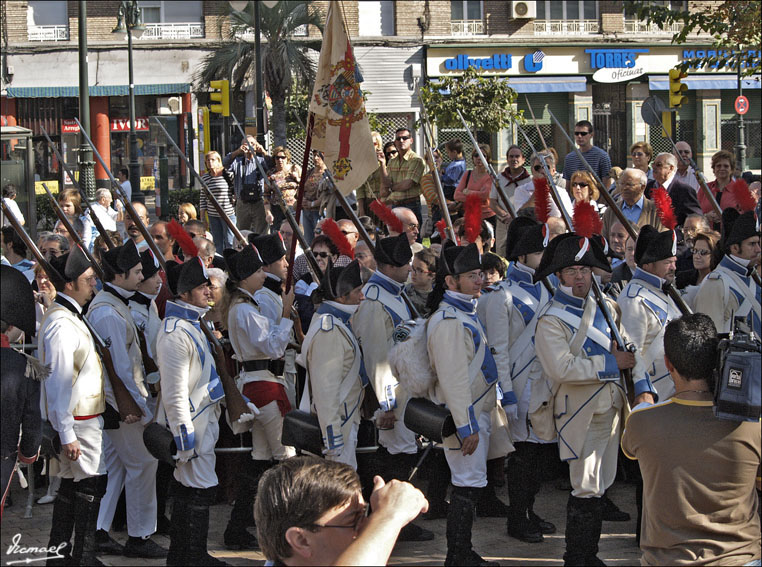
220	94
676	88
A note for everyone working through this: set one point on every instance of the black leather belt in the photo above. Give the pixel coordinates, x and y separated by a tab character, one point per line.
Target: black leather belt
274	366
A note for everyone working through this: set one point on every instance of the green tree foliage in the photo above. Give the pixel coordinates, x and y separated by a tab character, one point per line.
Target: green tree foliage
734	26
285	58
487	103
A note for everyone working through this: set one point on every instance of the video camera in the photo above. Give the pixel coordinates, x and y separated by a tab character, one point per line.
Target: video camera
738	374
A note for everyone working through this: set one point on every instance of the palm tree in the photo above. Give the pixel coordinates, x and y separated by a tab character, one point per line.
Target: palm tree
285	59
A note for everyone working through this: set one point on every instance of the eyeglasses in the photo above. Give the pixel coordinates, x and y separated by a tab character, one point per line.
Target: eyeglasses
580	184
322	254
359	516
473	276
345	232
280	157
660	164
537	168
574	272
394	153
420	272
632	185
402	138
412	226
581	133
638	154
700	252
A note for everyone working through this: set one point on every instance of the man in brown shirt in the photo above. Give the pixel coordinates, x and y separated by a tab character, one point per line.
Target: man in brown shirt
699	471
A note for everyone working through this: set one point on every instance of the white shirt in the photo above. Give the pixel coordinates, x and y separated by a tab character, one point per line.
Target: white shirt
14	208
689	178
127	186
106	215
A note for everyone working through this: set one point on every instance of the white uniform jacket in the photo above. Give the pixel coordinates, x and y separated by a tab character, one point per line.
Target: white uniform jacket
146	317
465	369
646	310
573	345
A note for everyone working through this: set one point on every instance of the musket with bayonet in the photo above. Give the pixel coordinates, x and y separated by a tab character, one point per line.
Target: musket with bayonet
668	287
126	404
83	196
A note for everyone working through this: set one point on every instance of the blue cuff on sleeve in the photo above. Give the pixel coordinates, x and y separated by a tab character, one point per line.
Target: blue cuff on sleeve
644	385
333	441
472	427
509	398
390	401
185	441
610	370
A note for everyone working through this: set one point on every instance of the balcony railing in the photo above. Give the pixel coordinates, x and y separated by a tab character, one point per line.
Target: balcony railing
641	26
173	31
48	33
467	27
566	27
248	34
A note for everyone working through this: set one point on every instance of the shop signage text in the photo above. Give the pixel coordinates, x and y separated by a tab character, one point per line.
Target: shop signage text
462	62
690	54
608	75
123	124
69	126
613	58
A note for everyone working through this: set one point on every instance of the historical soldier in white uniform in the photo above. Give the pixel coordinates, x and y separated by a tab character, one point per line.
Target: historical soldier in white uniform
129	463
509	311
729	291
190	407
333	358
260	330
73	400
646	308
143	301
575	348
373	323
466	380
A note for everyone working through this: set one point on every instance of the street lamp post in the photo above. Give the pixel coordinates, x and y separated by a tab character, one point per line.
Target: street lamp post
130	22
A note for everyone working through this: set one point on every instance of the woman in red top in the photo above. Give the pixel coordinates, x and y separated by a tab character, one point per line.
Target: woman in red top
723	165
478	181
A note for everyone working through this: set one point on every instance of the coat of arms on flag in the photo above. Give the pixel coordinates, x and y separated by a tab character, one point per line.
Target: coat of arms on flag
341	129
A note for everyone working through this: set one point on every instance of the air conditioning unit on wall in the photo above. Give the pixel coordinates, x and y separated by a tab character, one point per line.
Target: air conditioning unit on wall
523	9
168	105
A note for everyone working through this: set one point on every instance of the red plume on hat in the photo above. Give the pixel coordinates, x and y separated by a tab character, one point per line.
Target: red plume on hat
472	217
541	199
331	230
587	221
664	207
388	217
182	238
741	192
440	224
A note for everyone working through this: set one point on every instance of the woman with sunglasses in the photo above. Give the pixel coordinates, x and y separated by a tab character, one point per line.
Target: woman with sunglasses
705	257
549	157
641	154
477	181
582	188
285	175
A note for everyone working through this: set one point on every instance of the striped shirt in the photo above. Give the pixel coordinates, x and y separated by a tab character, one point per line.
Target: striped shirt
598	159
219	188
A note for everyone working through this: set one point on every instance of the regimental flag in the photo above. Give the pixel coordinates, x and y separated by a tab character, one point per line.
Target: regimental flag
341	129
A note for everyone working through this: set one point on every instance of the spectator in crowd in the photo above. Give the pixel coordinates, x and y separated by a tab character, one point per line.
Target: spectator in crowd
133	232
641	154
250	211
14	251
310	511
706	255
723	165
477	181
421	279
411	225
550	157
700	505
104	211
311	200
349	230
287	233
618	236
583	189
390	151
694	224
162	238
372	186
635	207
9	198
685	172
206	250
684	201
186	212
614	174
557	227
284	176
220	183
54	245
455	168
71	204
123	176
755	187
513	176
365	256
598	159
402	184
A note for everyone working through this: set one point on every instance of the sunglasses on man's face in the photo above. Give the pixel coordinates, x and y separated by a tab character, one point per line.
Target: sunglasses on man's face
402	138
322	254
581	133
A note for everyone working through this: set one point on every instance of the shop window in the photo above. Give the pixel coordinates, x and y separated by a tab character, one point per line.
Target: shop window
47	21
376	18
466	17
566	17
172	20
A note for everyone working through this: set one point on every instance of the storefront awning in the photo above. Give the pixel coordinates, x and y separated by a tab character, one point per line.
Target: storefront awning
705	82
540	84
97	90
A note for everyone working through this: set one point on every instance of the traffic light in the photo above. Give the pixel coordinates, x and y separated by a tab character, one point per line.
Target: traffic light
221	95
677	88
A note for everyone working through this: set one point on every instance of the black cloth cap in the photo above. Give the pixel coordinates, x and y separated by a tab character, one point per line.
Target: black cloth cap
460	259
393	250
192	274
737	227
17	300
571	250
150	264
270	247
121	259
349	278
173	274
653	245
69	266
515	231
534	238
242	264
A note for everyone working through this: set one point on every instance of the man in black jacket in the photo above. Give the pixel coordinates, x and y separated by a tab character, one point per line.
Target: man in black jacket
683	196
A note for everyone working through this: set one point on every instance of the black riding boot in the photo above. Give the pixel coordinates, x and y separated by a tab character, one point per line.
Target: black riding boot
87	503
460	520
198	527
236	535
62	526
583	530
489	505
439	480
520	495
178	527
